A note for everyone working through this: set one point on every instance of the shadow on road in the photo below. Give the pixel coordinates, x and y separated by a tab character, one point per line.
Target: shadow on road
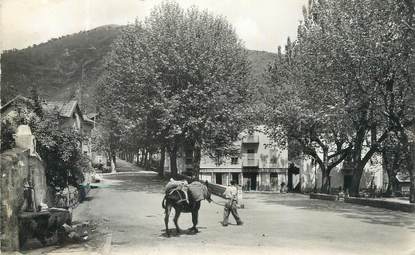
174	233
365	214
149	183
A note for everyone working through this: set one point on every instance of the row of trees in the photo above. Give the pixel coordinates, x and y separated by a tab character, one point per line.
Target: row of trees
344	90
177	78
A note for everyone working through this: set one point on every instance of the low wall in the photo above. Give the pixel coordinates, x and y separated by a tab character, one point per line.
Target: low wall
391	205
323	196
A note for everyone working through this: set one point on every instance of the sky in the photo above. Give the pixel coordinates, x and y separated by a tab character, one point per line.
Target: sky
261	24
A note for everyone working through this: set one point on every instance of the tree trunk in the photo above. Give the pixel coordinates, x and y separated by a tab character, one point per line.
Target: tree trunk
410	161
162	159
390	190
113	162
197	154
412	189
325	184
173	160
143	151
357	176
149	159
145	159
388	168
409	152
357	163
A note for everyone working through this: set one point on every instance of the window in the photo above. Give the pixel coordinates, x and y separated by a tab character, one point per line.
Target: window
188	172
234	160
250	151
274	159
188	153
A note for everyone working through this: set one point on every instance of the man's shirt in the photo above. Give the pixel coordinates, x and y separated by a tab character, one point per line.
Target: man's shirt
231	192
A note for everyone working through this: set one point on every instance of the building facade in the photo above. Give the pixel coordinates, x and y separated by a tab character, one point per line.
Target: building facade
257	165
309	175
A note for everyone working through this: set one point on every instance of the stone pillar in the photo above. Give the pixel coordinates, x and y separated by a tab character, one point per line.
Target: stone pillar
14	168
25	139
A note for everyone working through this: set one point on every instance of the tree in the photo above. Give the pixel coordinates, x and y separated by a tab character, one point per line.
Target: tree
354	58
181	75
301	117
393	161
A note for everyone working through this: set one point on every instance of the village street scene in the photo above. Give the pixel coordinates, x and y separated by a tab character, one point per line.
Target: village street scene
207	127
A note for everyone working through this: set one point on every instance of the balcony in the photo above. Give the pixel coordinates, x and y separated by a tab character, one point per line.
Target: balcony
251	139
250	162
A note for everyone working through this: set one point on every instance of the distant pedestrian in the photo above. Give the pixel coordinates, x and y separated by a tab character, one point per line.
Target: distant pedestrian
231	195
283	190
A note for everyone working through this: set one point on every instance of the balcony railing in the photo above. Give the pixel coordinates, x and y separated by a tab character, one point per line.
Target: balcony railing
250	162
250	139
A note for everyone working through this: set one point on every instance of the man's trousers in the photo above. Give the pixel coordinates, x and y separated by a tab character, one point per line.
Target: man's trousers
230	207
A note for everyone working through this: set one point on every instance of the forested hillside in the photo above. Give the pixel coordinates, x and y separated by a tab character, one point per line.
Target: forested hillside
69	66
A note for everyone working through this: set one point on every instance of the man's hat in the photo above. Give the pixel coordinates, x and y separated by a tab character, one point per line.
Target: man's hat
233	182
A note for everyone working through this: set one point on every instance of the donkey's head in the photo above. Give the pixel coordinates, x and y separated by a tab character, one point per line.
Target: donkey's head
207	194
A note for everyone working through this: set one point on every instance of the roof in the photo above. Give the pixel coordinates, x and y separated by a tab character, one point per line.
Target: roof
403	178
65	109
92	115
89	121
14	100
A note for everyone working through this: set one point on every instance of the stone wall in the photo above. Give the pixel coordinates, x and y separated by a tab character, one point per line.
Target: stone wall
17	166
39	179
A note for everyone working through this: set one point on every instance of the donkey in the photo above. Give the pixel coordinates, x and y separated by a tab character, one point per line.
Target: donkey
176	199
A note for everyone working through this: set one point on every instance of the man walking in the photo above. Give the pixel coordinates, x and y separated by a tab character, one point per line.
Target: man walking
231	195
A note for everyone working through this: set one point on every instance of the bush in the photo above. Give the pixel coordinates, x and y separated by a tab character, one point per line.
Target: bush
7	140
59	148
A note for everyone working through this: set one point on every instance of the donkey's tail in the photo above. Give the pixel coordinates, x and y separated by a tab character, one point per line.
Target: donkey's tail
163	203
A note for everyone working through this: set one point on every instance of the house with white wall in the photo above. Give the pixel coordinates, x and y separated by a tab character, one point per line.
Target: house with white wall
256	165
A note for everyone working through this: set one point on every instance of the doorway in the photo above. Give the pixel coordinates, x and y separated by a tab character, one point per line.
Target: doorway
235	177
293	184
218	178
274	181
250	181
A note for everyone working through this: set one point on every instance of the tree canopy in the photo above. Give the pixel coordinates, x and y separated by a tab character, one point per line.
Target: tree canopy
347	79
179	76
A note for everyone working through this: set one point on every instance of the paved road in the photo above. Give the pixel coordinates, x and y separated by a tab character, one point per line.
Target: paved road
128	216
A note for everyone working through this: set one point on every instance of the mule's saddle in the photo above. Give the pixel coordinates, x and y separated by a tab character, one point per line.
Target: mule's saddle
181	187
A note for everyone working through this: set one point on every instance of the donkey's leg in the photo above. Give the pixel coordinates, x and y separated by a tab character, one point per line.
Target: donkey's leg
166	218
176	219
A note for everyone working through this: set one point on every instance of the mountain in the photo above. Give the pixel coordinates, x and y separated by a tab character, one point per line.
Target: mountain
70	66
